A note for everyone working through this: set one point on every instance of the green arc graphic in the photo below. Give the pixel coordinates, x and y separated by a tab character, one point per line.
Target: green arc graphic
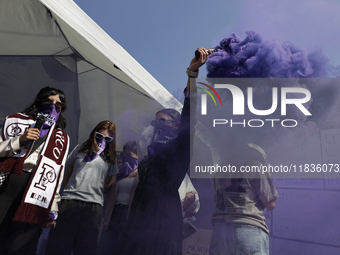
209	94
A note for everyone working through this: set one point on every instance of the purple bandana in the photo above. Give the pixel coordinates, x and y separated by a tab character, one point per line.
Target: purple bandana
101	147
129	165
51	115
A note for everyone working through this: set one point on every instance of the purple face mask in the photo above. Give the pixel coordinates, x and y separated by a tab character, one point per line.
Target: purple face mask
129	165
101	147
51	115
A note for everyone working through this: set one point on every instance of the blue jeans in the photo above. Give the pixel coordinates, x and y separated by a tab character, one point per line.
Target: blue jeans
238	239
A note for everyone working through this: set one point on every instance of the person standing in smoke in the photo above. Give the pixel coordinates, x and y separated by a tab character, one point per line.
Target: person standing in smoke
239	225
31	175
119	198
154	223
90	167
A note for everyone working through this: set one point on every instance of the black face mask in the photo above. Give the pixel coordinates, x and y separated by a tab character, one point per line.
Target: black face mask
163	133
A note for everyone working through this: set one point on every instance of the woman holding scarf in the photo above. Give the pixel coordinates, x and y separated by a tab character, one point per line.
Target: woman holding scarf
31	175
90	167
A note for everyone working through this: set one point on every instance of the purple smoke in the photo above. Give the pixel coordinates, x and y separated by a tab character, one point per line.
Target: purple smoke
257	58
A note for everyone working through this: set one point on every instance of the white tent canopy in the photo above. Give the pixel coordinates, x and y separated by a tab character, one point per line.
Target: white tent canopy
54	43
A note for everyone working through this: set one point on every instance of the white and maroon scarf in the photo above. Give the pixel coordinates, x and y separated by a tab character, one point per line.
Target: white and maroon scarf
15	125
40	191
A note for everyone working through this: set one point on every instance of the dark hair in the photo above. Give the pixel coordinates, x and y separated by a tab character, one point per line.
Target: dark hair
91	145
175	115
131	146
44	93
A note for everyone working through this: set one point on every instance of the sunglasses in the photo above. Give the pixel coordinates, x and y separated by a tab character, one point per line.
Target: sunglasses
101	136
59	105
162	121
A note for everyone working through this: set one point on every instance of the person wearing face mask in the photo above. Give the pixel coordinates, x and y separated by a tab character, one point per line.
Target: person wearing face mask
90	167
33	152
129	161
119	198
155	223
